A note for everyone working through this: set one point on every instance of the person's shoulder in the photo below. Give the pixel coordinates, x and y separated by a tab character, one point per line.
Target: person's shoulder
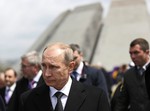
91	70
2	90
130	71
22	80
147	70
89	88
95	91
39	89
31	93
25	95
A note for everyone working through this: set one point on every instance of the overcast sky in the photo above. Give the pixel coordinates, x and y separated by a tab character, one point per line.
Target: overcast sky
23	21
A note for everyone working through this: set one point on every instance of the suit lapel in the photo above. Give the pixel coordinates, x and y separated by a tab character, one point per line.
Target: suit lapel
40	82
42	99
76	97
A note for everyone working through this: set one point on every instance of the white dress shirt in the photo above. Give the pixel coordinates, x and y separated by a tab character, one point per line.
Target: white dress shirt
9	91
65	90
36	79
79	70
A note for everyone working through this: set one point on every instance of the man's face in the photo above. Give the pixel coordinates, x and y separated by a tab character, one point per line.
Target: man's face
27	69
10	77
138	56
78	59
55	71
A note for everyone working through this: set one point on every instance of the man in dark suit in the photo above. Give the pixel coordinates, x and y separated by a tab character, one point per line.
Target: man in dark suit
32	73
2	105
85	73
133	94
147	82
57	65
9	93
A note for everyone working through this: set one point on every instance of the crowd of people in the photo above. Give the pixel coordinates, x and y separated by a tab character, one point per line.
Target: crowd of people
61	80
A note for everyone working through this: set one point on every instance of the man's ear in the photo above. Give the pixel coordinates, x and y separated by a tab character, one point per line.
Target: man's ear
147	51
71	66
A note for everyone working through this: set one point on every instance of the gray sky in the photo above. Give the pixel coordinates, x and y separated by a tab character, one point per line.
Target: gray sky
23	21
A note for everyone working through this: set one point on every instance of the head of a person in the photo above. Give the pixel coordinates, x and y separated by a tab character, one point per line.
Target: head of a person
139	51
57	64
2	79
30	64
10	76
78	56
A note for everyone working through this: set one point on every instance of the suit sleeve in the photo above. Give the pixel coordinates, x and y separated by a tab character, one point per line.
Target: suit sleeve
101	81
122	101
104	104
147	79
22	100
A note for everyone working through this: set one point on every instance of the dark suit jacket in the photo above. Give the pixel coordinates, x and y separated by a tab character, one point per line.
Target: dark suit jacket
95	77
13	103
2	105
23	86
147	81
133	92
22	99
81	98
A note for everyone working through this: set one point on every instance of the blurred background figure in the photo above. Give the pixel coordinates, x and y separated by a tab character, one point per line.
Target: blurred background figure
85	73
107	76
122	70
32	73
2	80
8	92
2	105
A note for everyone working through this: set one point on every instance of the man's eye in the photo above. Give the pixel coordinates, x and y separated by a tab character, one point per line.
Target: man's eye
52	67
136	52
43	65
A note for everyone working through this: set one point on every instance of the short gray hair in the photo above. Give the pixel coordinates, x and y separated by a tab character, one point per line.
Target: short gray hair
68	53
32	57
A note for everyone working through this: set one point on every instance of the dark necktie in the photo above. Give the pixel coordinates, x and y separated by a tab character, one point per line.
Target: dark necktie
141	70
59	106
74	73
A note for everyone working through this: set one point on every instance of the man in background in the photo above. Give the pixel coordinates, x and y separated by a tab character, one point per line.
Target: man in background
31	70
85	73
8	92
133	93
32	73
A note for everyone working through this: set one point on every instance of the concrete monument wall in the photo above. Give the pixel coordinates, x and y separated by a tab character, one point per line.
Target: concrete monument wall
126	20
80	25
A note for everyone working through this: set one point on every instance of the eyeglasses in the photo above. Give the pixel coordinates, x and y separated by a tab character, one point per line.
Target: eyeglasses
75	57
26	66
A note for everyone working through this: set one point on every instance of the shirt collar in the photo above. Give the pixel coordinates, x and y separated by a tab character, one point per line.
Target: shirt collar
80	67
12	88
65	90
37	77
144	66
